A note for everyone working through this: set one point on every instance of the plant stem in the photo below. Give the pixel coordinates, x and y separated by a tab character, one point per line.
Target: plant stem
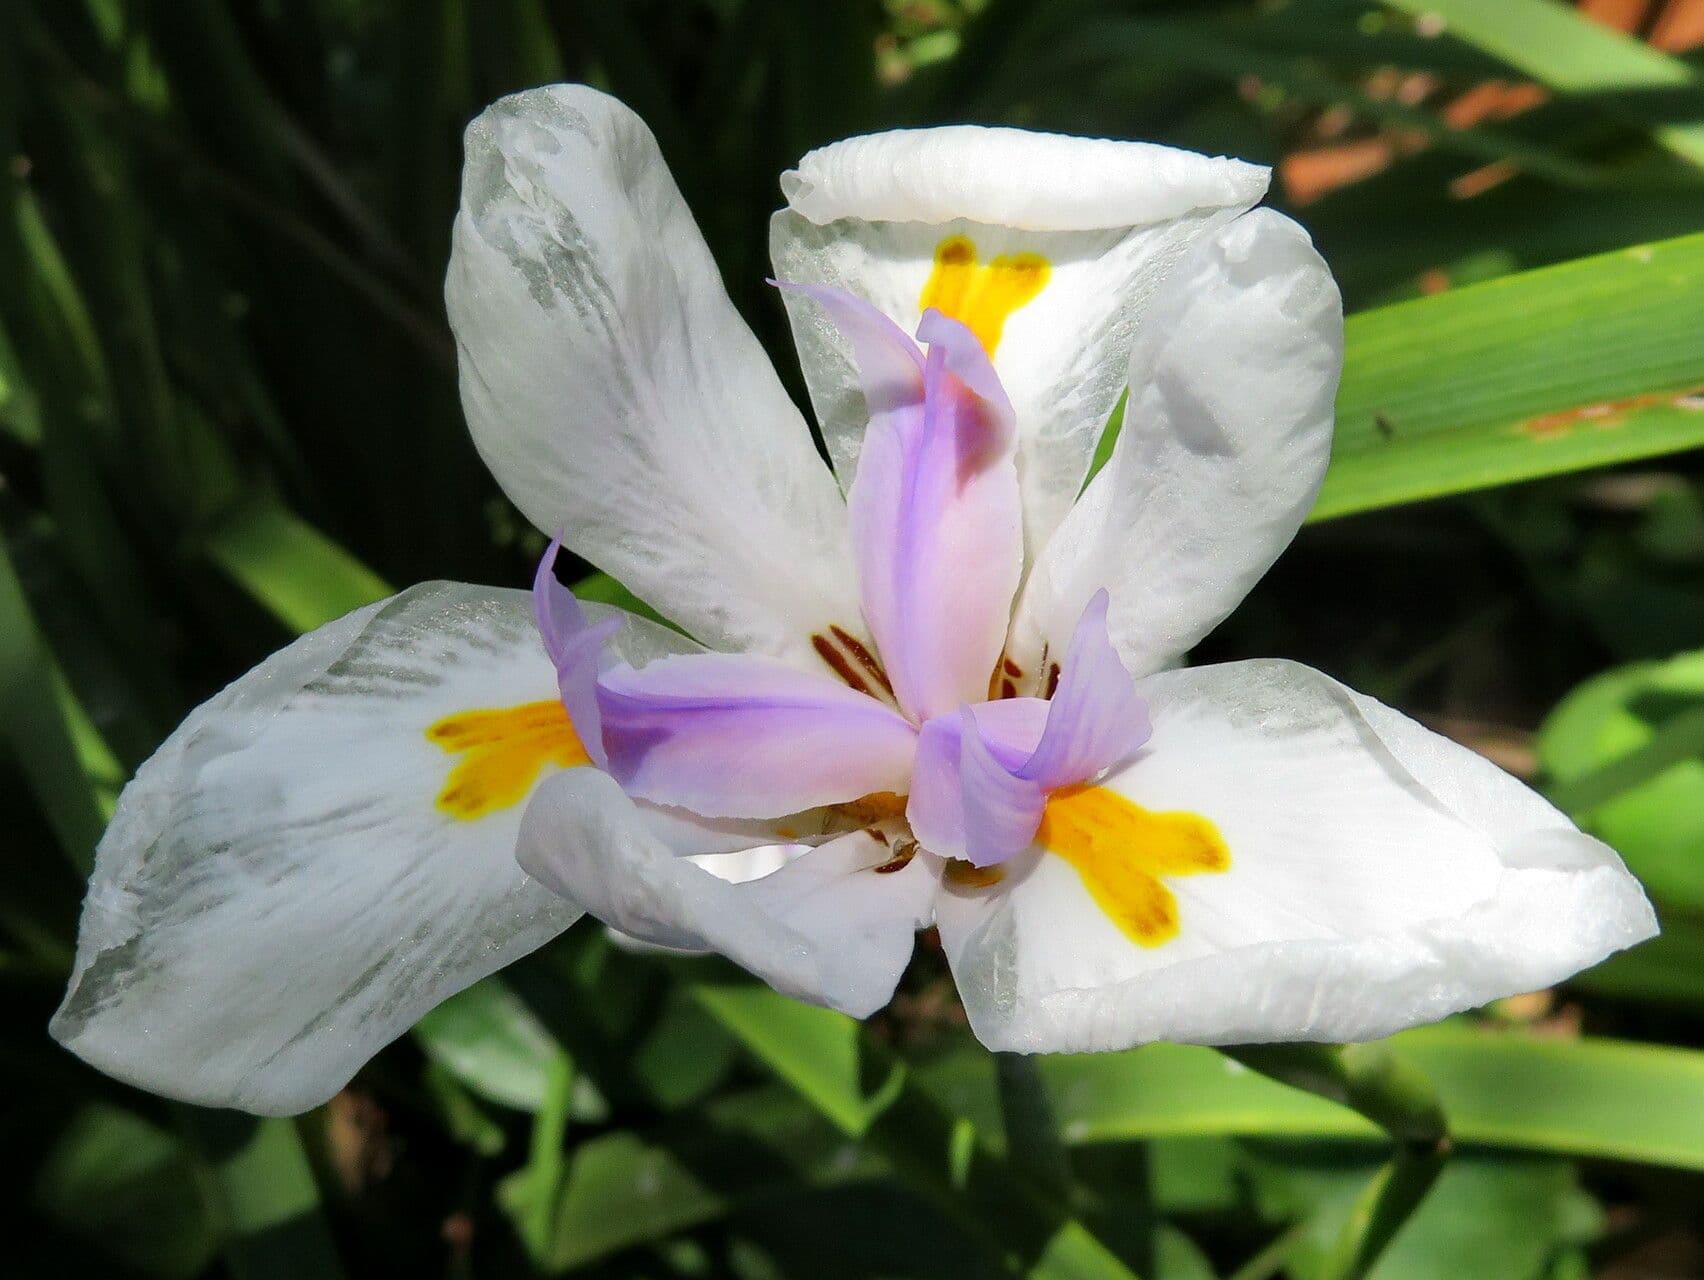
1032	1131
545	1156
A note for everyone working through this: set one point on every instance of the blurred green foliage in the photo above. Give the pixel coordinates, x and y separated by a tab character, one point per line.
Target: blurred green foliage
228	412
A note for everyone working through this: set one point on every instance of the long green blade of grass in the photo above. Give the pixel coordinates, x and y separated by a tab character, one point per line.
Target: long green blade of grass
1586	1098
293	570
1585	364
34	723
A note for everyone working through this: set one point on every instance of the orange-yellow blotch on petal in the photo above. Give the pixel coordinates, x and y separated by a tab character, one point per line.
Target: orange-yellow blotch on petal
503	751
981	295
1122	850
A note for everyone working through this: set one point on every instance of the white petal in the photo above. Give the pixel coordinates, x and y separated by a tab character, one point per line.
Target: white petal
1111	218
1380	877
826	927
1014	178
617	395
1225	441
278	894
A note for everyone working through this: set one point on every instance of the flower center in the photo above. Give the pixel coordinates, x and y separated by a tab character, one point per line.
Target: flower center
503	752
1121	851
981	296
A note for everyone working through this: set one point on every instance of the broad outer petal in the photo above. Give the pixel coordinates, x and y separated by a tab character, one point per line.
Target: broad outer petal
1225	441
1111	219
826	927
1380	877
617	395
278	895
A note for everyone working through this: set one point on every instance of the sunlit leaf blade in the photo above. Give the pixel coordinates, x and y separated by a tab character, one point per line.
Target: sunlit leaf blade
1601	1098
1222	55
1582	365
299	575
817	1051
489	1040
1564	50
1622	754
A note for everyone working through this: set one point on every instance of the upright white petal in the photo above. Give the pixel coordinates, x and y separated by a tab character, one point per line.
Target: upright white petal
617	395
1378	877
1225	441
280	894
827	927
1109	220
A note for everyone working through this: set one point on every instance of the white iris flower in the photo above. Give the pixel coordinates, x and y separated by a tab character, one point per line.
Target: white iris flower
935	684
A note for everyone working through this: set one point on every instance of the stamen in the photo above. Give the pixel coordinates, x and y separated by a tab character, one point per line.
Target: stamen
842	668
1121	850
503	751
1052	680
861	652
981	297
1003	683
904	850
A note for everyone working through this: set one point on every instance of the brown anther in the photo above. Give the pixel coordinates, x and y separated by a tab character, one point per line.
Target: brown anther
1052	680
842	668
904	851
859	650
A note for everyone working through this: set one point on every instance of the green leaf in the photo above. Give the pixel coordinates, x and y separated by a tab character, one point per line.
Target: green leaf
488	1039
262	1190
606	590
54	751
1625	755
1603	1099
864	1091
1597	1098
1487	1216
1220	54
1668	969
625	1188
685	1054
129	1188
1564	50
817	1051
302	577
1586	364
